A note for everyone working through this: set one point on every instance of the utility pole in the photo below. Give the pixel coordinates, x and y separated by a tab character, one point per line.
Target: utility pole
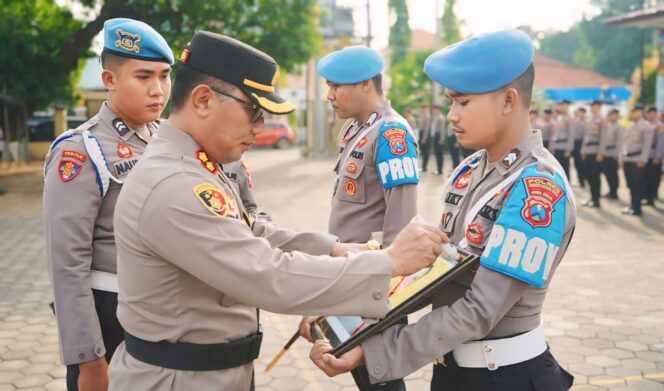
435	87
368	39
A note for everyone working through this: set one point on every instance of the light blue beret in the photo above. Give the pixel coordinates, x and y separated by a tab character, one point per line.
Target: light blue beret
482	63
350	65
131	38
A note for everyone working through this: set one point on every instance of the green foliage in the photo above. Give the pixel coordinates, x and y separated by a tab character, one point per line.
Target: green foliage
399	32
450	32
32	33
410	86
610	50
649	88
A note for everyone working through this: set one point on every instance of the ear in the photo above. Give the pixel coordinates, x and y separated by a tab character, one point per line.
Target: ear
109	79
510	100
366	85
200	98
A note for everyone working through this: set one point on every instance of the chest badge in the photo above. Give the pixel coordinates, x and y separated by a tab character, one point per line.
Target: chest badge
68	170
124	151
463	180
362	142
351	168
474	233
350	187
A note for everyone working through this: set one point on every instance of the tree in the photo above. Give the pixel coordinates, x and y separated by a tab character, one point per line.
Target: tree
410	86
399	32
450	31
43	43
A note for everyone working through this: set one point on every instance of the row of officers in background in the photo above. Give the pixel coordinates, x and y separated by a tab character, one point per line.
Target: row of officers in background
596	142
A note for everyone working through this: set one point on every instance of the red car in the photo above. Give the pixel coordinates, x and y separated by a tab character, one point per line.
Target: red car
276	134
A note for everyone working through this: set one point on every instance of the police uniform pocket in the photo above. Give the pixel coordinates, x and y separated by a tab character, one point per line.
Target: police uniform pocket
351	183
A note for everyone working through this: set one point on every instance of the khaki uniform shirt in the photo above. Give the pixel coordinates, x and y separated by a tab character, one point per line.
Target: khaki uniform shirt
563	136
610	140
192	269
638	142
655	149
546	127
78	226
375	188
492	304
592	135
240	177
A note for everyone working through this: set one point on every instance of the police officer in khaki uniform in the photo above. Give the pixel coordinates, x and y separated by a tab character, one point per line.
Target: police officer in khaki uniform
653	174
438	128
546	127
589	150
509	202
375	187
634	154
609	150
192	265
240	176
579	127
84	171
562	142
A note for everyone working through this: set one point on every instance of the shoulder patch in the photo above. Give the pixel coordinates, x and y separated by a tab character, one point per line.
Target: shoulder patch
526	237
74	154
68	170
396	156
213	199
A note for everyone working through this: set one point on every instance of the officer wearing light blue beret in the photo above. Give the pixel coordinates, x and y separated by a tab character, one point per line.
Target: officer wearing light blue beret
376	173
84	171
510	202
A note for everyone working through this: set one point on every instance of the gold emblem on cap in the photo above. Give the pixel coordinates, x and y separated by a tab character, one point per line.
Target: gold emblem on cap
127	41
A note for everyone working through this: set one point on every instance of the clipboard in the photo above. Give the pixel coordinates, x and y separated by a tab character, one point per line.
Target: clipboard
346	332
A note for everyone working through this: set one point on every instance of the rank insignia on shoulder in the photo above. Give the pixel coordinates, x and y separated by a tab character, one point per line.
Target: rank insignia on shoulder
250	182
510	158
362	142
213	199
120	126
75	155
463	180
474	233
542	195
68	170
350	187
128	41
124	151
351	168
397	139
206	162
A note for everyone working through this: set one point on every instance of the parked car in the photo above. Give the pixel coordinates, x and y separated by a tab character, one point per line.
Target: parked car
43	128
276	134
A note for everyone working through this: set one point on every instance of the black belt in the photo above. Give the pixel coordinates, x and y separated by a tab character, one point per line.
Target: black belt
591	143
630	154
610	147
562	140
187	356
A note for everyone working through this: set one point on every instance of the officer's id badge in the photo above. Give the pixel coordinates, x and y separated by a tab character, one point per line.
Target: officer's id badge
206	162
68	170
351	168
474	234
350	187
127	41
214	199
463	180
526	237
75	155
124	151
396	156
542	196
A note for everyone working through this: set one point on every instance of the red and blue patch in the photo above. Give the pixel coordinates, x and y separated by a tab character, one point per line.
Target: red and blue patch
68	170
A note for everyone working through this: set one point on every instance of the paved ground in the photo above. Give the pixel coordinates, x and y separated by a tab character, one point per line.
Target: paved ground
604	315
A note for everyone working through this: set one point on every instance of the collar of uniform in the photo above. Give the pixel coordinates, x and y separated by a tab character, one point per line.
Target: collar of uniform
185	142
519	152
108	116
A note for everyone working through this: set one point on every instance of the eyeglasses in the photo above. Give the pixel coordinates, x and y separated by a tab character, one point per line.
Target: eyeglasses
257	111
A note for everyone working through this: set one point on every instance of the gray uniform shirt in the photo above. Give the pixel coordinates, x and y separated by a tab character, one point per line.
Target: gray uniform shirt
563	137
655	150
610	139
192	269
492	304
637	142
369	207
592	136
241	180
78	227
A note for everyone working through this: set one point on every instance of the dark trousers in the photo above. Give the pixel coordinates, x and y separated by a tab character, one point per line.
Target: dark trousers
578	162
454	151
541	373
106	304
653	178
559	154
593	168
438	152
425	149
610	169
635	177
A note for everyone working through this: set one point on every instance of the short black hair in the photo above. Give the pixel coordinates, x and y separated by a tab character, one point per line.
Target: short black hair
110	61
614	111
378	83
524	84
548	111
582	109
533	112
596	102
186	79
650	109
